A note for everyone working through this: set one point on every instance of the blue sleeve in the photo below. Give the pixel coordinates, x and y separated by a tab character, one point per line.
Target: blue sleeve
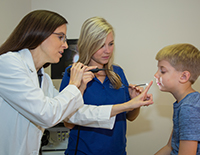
65	79
189	121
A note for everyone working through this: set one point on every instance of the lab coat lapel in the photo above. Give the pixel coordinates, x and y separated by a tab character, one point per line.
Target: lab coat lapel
28	60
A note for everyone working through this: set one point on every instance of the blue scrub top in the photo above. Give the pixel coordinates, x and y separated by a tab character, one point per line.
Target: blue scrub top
97	141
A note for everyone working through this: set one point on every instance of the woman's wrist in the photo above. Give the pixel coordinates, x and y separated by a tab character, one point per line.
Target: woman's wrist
74	83
82	88
119	108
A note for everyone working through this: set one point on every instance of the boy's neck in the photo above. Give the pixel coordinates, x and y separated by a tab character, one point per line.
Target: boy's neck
183	92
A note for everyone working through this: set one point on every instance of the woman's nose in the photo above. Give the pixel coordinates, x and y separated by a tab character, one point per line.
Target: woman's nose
65	45
107	49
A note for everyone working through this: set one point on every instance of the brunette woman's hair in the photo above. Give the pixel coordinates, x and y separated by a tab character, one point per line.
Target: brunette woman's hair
32	30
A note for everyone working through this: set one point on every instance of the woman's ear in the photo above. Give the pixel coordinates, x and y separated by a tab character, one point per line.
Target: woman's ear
185	76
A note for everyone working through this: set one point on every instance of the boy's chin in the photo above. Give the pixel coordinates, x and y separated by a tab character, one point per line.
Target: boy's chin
162	89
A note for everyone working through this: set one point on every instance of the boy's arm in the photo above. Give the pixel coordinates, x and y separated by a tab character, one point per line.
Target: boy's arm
166	150
187	147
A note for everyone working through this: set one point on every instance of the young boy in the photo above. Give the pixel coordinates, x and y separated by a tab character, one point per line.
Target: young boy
178	69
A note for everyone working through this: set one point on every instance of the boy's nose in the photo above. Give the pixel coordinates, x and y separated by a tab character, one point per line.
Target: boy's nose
156	75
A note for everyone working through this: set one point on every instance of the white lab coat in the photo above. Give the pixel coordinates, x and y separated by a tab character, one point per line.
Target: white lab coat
26	110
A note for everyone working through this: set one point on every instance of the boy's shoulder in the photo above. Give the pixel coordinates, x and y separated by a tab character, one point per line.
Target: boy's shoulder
192	99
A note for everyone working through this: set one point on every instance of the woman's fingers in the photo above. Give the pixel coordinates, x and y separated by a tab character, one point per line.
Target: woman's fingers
147	88
79	72
146	99
137	90
90	67
76	73
149	100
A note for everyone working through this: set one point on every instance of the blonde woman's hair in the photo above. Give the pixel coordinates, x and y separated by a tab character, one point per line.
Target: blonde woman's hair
183	57
93	35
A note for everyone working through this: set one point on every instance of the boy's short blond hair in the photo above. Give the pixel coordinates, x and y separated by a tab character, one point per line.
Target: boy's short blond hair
183	57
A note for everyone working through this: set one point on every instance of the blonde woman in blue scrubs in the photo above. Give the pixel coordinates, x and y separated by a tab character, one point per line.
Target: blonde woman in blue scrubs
108	87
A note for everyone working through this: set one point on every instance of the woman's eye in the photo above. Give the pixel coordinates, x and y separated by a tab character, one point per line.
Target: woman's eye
111	44
60	37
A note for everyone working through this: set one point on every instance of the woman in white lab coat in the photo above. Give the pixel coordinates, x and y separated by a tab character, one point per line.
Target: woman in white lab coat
25	108
29	103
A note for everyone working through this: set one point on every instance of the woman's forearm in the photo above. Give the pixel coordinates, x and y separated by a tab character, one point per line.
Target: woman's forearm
119	108
143	99
132	115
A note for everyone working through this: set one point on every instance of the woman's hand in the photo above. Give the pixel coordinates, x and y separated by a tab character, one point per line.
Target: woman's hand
68	125
76	74
87	77
134	91
143	99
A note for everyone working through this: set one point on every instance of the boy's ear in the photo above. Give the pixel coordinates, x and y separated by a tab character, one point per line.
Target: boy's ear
185	76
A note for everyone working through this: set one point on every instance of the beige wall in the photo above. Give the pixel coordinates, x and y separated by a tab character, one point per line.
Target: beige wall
11	12
142	28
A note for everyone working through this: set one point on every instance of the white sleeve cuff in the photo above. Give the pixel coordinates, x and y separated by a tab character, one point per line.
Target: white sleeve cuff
93	116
